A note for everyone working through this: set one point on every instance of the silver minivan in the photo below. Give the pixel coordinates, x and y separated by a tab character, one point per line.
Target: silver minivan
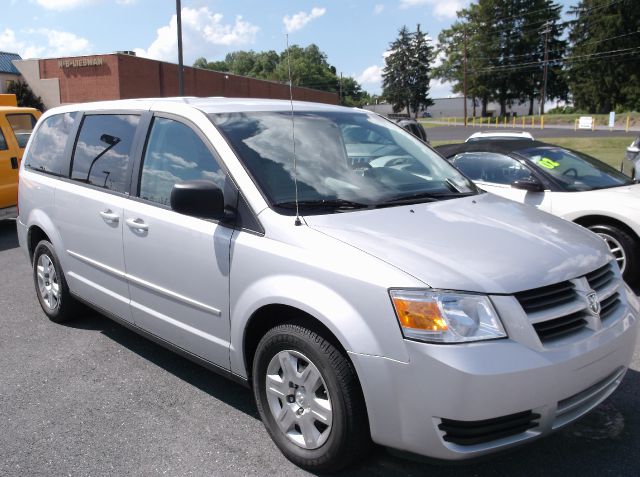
362	287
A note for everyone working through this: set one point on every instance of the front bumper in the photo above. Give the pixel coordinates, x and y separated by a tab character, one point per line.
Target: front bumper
407	402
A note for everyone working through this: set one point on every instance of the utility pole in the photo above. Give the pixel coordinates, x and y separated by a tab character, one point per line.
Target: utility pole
464	40
543	94
180	66
341	88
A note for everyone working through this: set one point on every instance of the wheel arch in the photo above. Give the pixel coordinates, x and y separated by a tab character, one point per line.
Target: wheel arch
597	219
272	315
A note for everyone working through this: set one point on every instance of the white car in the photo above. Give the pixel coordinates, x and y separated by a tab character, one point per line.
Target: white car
563	182
488	135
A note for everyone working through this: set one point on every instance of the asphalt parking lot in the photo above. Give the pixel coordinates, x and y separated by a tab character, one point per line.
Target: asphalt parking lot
93	398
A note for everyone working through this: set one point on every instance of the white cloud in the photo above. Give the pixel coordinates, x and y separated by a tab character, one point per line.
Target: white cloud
377	10
441	8
44	42
440	89
60	5
63	4
203	34
300	19
370	75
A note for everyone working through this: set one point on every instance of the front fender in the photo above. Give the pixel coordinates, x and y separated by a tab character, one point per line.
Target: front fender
333	310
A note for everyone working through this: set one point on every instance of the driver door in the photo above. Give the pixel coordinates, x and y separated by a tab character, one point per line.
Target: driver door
496	173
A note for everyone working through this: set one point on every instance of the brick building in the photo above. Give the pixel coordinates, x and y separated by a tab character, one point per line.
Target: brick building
123	76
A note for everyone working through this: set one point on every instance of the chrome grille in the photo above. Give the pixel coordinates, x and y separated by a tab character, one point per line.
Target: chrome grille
601	278
560	326
540	299
561	310
609	306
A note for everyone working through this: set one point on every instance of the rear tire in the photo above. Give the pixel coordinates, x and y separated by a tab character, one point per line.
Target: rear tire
313	408
624	248
51	286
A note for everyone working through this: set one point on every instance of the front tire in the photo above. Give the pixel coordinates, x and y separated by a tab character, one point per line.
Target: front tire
623	247
309	399
51	286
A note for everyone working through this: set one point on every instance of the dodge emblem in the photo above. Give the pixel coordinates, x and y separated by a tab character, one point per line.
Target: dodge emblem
593	302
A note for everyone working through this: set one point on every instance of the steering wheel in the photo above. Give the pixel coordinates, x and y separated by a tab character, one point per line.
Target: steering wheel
571	170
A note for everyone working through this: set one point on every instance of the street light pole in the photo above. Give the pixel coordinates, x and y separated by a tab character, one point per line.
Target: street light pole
180	65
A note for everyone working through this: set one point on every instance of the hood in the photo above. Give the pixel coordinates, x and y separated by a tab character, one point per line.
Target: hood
481	243
626	196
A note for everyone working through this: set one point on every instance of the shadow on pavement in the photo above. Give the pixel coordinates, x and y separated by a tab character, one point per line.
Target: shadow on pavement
8	234
208	381
603	442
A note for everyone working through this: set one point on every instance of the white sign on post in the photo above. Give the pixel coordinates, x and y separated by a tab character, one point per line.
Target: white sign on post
585	122
612	119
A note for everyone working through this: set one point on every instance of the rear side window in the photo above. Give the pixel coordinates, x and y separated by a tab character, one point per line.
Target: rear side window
3	142
102	154
46	152
22	125
175	153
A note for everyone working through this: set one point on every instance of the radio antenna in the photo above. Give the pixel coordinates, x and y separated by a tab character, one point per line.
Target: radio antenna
293	134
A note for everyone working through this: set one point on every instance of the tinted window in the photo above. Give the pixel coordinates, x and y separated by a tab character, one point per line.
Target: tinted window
175	153
3	142
573	170
46	152
103	151
22	125
491	167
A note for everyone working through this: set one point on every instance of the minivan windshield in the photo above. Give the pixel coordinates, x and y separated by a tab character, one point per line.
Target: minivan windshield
343	160
575	171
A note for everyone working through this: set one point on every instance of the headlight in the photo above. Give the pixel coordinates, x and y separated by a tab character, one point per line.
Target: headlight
446	317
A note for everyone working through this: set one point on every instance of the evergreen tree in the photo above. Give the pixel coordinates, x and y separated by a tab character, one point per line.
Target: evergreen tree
25	96
602	66
422	57
406	75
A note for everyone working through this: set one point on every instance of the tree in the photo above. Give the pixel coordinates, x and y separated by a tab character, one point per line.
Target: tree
406	75
25	96
505	51
309	68
602	67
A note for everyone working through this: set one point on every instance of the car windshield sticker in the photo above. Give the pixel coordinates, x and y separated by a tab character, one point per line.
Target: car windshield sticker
548	163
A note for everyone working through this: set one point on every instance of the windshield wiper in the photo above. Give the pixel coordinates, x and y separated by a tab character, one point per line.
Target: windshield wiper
335	204
422	197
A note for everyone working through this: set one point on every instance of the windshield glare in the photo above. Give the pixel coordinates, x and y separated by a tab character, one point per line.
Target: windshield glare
575	171
340	156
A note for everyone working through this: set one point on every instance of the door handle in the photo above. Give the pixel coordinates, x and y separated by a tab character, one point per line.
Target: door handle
109	216
14	162
137	224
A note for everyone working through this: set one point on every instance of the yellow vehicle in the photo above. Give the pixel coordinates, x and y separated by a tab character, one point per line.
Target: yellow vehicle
16	125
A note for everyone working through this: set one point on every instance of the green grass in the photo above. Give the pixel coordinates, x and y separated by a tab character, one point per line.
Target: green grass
607	149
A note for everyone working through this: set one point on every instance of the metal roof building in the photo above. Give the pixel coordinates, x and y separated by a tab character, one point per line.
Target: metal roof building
8	71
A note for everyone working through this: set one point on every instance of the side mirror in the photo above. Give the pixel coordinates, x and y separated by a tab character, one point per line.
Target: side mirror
198	198
530	185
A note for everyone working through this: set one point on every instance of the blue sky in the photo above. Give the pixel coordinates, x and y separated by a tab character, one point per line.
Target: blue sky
353	33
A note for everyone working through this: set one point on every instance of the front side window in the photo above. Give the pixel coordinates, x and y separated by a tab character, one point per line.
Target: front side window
573	170
175	153
3	142
343	159
22	126
103	151
46	152
491	167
